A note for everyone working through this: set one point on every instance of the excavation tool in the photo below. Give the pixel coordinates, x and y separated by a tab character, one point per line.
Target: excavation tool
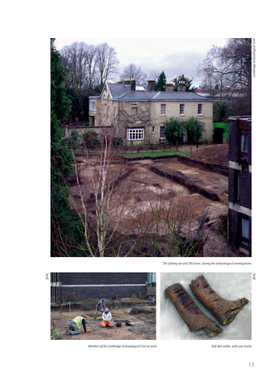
191	314
223	309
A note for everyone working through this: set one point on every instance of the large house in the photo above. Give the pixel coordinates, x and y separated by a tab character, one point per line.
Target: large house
139	116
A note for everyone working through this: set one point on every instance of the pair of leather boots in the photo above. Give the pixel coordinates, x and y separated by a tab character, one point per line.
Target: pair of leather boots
194	318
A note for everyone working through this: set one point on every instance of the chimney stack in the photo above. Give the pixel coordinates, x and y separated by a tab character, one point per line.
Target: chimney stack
133	85
151	84
181	86
169	87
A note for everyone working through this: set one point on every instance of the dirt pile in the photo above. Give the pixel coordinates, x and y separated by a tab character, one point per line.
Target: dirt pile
215	154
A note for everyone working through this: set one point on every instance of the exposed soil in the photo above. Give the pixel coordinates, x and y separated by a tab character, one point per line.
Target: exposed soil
138	321
215	154
170	187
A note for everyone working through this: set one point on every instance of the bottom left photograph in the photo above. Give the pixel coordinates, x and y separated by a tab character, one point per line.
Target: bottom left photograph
103	306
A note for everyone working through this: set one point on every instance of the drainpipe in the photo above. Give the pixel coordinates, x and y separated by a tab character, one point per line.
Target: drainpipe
149	122
59	287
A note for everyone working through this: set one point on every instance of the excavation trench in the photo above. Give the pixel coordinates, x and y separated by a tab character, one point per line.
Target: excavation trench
133	320
178	177
167	187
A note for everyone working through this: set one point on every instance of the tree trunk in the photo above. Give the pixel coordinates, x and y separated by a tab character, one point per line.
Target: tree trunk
223	309
191	314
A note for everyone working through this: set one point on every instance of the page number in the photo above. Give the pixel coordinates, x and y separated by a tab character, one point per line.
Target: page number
251	364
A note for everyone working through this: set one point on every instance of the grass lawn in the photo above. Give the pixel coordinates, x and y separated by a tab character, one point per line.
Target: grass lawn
225	127
154	154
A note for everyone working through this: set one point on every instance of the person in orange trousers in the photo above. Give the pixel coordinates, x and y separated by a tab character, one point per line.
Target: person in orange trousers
107	317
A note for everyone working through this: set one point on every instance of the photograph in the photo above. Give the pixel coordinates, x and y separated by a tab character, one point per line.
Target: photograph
151	147
103	306
205	306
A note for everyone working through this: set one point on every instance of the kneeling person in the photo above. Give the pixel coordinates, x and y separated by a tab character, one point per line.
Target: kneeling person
106	318
75	325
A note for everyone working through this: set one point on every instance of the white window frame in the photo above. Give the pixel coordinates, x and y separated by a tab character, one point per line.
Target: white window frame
162	109
135	134
182	109
93	107
200	112
244	237
244	142
134	108
164	137
153	129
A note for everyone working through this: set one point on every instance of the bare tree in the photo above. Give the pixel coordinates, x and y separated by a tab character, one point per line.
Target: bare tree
106	62
163	223
74	63
154	75
90	60
134	72
102	202
80	62
229	65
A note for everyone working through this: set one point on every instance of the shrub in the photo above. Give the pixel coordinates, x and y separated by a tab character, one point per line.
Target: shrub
54	335
74	139
164	146
223	227
195	129
118	141
174	130
89	134
93	141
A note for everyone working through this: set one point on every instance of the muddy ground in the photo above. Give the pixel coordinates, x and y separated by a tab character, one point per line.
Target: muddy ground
141	317
215	154
169	187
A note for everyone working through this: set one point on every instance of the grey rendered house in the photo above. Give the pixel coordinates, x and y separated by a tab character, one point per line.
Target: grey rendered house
139	116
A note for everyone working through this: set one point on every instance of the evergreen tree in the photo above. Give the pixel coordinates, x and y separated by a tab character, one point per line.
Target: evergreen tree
195	129
188	83
161	83
174	130
65	227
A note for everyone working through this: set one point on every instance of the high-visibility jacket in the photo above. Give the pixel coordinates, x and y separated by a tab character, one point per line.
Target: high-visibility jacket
78	321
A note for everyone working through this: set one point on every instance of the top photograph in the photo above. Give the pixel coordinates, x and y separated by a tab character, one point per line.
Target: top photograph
151	147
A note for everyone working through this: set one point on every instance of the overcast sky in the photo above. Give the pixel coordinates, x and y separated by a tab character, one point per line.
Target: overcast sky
174	56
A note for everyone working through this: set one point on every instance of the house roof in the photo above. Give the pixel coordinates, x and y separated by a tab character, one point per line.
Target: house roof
122	92
118	89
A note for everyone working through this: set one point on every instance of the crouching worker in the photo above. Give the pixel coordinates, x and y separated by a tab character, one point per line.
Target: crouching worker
75	325
107	318
100	307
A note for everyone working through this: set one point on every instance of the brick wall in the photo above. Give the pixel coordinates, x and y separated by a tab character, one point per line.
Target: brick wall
73	293
244	190
233	228
234	140
238	165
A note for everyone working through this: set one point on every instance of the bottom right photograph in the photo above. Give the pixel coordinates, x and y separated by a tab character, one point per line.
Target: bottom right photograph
205	306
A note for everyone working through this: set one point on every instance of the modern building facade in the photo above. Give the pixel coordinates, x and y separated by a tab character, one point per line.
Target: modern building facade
66	287
240	177
139	116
